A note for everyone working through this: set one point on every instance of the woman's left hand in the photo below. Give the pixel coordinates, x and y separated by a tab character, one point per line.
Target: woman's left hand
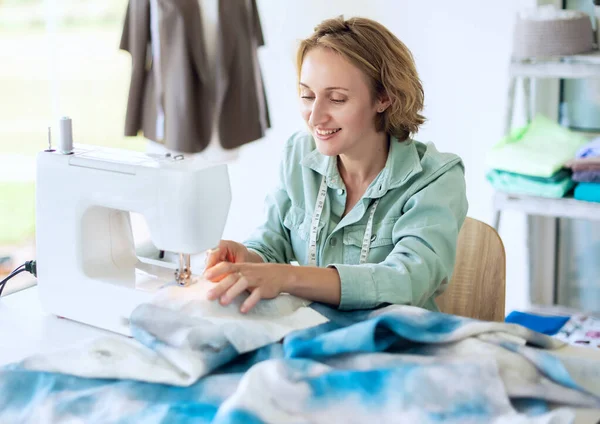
263	281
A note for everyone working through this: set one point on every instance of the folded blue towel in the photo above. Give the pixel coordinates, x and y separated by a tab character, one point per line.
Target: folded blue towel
549	325
587	191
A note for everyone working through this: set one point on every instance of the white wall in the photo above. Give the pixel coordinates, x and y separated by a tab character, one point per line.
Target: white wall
462	50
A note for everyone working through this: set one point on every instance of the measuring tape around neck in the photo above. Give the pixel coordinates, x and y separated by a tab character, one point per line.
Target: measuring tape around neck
312	243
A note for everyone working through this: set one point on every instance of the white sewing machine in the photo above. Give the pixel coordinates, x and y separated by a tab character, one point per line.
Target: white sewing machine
87	266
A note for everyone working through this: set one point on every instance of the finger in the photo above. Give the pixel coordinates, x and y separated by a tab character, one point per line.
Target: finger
219	289
235	290
214	256
211	257
251	301
219	271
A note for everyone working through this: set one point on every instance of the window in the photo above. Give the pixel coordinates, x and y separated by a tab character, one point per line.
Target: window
59	58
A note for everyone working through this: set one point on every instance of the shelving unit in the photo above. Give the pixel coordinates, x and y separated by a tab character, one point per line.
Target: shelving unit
576	66
559	67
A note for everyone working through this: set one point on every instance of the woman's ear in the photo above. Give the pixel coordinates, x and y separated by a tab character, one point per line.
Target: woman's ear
383	103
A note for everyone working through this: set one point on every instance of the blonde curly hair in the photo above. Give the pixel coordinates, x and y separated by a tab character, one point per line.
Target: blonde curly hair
384	59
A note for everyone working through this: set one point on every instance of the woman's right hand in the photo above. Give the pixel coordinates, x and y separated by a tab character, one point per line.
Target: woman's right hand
227	251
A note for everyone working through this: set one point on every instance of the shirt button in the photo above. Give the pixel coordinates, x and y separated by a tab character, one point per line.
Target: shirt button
333	241
340	191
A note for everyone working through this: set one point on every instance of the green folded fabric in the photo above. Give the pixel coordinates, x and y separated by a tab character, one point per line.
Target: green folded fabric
519	184
558	176
539	149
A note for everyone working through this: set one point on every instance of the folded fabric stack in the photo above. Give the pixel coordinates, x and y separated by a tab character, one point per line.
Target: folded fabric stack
586	171
531	159
557	185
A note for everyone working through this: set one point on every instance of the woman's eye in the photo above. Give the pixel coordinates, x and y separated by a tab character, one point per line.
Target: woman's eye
338	100
307	97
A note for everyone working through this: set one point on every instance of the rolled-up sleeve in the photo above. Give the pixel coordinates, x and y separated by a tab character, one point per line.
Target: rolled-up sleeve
422	261
271	240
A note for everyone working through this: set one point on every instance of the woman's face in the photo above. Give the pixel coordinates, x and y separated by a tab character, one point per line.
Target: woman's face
336	103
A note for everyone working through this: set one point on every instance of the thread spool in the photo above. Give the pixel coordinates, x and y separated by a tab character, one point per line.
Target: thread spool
65	141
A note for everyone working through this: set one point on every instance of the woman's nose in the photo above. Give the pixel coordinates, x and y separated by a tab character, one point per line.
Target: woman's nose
318	114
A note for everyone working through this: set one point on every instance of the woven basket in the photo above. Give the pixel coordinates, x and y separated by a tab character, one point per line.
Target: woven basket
558	37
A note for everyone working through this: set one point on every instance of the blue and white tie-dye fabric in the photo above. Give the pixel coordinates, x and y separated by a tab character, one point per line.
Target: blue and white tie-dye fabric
181	337
396	364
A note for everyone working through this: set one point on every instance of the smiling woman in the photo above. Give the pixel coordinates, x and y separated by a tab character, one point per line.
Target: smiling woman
384	74
371	214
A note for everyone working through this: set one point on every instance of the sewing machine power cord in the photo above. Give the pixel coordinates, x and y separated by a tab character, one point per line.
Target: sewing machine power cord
29	266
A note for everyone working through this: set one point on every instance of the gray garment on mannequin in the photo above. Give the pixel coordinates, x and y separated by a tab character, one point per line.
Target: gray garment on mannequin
188	96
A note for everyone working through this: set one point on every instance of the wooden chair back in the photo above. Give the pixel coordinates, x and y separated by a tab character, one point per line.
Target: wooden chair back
478	285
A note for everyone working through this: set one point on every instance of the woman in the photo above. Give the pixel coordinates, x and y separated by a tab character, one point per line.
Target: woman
372	215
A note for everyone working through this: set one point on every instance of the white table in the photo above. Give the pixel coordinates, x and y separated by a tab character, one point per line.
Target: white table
26	329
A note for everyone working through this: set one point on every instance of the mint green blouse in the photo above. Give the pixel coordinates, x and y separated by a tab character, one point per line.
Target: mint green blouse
422	206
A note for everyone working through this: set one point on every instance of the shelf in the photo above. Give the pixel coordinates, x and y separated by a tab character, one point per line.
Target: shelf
575	66
560	208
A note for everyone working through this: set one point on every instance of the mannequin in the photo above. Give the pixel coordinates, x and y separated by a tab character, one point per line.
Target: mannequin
209	12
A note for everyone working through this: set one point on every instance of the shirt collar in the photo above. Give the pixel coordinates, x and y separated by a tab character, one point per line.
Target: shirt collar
324	165
402	163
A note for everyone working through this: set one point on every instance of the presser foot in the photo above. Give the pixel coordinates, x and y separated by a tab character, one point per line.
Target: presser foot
183	274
